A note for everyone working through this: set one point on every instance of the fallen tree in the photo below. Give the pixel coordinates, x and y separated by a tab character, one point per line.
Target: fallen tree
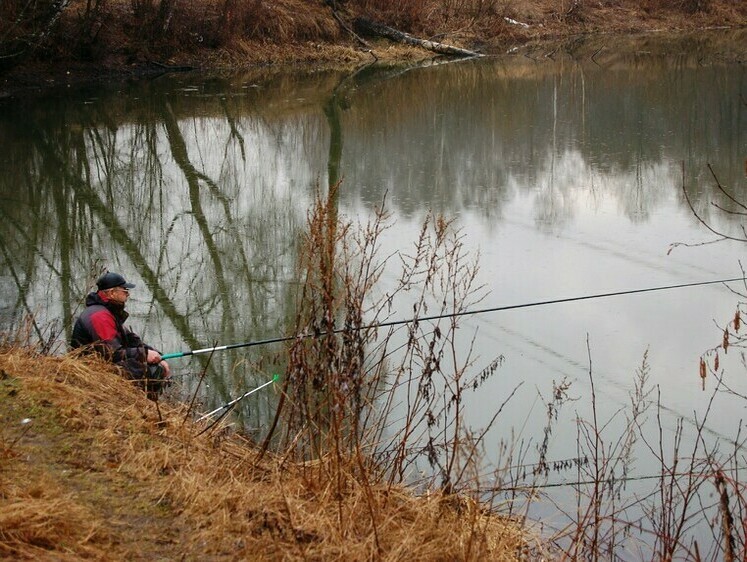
371	28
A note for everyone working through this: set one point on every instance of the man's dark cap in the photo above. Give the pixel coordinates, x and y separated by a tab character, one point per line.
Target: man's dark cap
110	280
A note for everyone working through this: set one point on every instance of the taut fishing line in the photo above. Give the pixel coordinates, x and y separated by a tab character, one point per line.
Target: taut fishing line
448	315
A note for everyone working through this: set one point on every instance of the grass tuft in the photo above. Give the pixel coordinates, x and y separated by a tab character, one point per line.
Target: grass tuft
96	456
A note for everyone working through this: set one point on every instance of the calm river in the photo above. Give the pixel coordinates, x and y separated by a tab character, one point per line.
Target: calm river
565	176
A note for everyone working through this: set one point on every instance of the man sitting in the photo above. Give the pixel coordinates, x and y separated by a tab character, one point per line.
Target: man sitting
101	326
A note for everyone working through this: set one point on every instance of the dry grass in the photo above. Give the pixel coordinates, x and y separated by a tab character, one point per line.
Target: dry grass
96	474
42	519
95	36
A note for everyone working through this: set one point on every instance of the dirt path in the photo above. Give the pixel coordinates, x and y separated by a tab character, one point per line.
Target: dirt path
89	469
61	493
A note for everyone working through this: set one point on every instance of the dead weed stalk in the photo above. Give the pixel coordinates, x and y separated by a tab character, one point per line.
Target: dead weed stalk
358	409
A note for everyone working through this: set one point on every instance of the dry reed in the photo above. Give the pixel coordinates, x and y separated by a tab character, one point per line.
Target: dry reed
211	499
117	34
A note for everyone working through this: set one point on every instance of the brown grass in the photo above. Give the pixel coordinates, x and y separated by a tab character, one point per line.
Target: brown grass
95	36
96	474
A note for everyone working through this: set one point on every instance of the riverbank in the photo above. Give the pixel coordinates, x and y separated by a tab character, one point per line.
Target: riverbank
90	468
110	39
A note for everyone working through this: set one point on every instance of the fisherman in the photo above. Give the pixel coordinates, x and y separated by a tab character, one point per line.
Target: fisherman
101	327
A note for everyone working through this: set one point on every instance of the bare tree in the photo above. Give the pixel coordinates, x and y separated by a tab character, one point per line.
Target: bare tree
24	25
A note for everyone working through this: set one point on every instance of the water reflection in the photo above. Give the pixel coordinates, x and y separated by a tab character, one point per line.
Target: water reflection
461	136
197	187
193	202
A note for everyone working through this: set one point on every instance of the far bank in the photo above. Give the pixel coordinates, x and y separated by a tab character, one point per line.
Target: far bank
113	38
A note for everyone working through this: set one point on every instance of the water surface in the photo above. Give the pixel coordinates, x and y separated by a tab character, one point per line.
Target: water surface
565	176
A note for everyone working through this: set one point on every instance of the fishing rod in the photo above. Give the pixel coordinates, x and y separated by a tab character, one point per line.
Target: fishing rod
447	315
227	405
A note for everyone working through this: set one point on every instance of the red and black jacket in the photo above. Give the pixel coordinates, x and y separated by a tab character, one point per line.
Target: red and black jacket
101	326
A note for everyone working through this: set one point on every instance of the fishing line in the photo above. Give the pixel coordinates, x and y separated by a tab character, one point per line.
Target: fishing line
447	315
605	481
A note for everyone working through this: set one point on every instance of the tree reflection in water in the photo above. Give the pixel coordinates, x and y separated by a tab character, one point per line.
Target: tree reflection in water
199	185
166	193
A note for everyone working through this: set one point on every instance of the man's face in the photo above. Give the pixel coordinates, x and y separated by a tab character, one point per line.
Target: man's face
118	295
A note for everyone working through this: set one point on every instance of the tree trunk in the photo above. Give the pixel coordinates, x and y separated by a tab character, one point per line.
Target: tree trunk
372	28
28	31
